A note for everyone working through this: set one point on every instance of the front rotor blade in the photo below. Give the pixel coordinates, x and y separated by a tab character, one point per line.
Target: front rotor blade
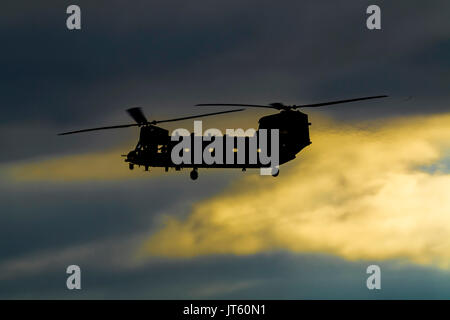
234	105
100	128
196	116
137	115
336	102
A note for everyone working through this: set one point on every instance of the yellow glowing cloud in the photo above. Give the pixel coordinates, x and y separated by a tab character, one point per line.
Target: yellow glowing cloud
357	193
105	165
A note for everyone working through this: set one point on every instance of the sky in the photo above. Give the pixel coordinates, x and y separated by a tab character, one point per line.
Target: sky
372	188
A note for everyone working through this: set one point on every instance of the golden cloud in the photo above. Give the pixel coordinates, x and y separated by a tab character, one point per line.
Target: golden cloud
357	192
102	165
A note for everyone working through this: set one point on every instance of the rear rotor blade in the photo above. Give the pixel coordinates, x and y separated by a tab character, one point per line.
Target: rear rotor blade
100	128
137	115
336	102
196	116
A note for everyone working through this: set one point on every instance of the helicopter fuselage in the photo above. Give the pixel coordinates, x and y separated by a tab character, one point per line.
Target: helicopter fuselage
155	145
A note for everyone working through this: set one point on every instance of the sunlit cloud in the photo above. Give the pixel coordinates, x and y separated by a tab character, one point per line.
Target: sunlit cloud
102	165
360	192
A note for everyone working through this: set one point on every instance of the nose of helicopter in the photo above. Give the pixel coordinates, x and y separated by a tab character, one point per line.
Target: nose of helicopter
131	156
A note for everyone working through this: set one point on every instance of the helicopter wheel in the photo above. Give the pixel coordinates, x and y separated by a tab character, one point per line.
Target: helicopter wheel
194	174
131	166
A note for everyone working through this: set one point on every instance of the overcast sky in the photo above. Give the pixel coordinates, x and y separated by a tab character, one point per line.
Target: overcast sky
72	200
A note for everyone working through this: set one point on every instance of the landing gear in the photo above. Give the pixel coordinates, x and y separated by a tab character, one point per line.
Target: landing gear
194	174
146	168
275	174
131	166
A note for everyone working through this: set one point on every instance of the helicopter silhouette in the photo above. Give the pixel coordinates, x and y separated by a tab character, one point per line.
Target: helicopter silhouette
155	145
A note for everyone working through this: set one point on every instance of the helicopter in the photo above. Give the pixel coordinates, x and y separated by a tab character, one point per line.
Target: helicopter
155	145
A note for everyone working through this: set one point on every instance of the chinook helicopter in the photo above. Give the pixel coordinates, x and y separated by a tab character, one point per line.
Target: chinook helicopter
155	146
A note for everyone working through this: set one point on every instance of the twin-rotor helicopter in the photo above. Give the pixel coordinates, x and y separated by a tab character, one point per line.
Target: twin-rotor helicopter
155	145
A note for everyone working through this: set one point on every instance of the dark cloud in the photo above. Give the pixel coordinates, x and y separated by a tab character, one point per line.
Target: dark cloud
44	216
145	54
167	57
268	276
